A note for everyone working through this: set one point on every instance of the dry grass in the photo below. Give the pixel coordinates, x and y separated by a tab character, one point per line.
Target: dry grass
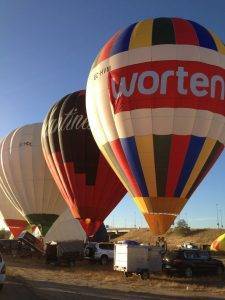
197	236
86	274
94	275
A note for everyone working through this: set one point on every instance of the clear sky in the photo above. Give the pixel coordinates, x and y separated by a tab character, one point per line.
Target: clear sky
47	48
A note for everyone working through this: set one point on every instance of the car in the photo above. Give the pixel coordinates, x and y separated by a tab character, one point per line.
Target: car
102	252
2	271
191	262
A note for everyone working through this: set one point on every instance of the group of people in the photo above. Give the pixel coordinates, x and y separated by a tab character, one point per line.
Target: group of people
161	242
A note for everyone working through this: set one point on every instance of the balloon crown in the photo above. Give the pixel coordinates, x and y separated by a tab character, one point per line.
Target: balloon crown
159	31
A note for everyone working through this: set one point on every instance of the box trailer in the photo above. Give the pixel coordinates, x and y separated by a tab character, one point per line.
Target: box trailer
137	259
64	253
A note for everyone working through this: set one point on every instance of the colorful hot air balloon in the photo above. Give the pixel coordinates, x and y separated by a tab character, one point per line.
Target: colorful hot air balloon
26	179
218	244
89	186
155	104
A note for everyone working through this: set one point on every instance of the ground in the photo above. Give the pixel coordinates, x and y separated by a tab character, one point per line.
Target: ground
29	279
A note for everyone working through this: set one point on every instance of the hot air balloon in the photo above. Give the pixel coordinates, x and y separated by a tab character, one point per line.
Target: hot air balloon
155	104
65	228
26	179
218	244
89	186
12	217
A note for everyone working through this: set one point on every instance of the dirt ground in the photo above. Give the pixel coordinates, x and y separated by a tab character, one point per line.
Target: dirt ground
86	275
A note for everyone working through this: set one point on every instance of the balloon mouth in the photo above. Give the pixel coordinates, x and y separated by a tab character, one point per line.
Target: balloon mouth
90	226
16	226
87	221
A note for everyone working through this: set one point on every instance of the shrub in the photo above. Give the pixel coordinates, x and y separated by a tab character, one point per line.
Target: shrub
182	228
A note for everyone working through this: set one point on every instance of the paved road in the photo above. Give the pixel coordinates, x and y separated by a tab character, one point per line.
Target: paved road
17	289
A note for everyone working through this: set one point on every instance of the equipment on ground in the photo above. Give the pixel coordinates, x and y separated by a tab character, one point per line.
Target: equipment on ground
64	253
137	259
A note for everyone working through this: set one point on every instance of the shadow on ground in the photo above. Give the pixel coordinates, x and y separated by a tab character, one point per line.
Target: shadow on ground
51	290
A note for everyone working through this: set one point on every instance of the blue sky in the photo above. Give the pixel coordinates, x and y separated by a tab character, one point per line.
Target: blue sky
47	48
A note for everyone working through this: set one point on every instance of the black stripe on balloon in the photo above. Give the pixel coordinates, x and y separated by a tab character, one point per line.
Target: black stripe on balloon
76	141
163	32
53	126
45	135
162	144
217	149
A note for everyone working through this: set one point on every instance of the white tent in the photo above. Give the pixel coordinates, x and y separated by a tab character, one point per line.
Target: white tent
65	228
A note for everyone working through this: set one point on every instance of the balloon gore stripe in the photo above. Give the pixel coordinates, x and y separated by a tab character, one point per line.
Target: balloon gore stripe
160	31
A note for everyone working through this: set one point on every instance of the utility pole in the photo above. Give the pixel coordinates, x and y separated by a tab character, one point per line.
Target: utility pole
217	216
135	225
186	217
221	218
113	220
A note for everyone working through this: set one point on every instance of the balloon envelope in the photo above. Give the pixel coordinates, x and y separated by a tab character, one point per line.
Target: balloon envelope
155	103
218	244
12	217
26	178
86	181
65	228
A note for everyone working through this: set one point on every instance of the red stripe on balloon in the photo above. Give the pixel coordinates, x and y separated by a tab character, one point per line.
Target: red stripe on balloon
90	227
141	95
178	150
105	52
59	165
122	160
90	197
103	173
184	32
16	226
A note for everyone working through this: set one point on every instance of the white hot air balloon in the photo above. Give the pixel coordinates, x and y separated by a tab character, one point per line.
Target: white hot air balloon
65	228
26	178
12	217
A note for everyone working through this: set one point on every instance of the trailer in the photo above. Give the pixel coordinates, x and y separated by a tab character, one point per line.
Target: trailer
137	259
31	241
64	253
